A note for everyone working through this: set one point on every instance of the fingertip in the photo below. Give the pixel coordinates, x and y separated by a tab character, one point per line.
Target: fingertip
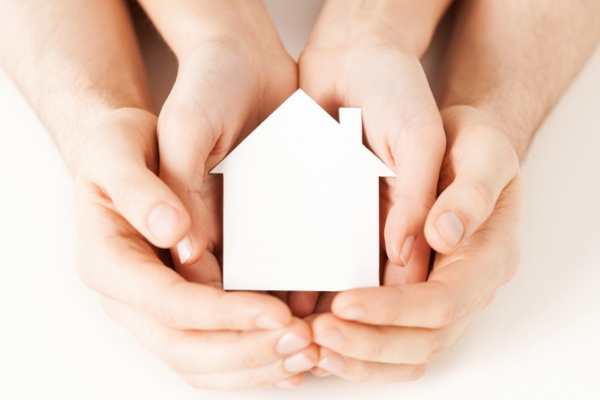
274	315
167	223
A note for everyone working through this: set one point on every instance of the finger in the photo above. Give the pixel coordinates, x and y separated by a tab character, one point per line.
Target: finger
366	371
413	272
387	344
123	149
194	352
286	373
194	135
484	163
458	282
113	260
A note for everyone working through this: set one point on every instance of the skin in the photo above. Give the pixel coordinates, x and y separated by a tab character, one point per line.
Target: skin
499	83
229	81
104	126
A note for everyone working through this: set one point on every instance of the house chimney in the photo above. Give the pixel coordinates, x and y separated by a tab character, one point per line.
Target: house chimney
351	122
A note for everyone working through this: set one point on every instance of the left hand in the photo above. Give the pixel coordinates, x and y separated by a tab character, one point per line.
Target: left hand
391	333
347	59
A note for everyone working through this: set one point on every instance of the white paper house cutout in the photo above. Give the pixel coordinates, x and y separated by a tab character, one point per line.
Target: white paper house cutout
301	203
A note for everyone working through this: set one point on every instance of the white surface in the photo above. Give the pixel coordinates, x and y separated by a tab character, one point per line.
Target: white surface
538	339
301	203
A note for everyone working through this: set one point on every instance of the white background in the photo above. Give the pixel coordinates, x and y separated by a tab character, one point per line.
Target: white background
538	339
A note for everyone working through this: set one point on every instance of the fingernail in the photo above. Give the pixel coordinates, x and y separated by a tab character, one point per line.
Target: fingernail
353	313
332	339
451	227
162	221
285	384
297	363
320	372
407	250
184	249
267	322
333	363
291	343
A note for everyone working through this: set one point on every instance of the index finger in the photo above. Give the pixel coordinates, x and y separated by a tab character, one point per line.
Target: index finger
114	260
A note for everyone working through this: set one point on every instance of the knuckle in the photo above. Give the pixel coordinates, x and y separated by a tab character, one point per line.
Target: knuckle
447	314
437	344
251	360
260	379
367	374
374	350
416	372
480	200
164	310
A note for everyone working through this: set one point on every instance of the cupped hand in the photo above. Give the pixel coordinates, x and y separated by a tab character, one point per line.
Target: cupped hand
393	332
226	86
213	339
351	62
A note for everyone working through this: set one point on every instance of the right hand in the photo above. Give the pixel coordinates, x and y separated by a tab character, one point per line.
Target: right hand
213	339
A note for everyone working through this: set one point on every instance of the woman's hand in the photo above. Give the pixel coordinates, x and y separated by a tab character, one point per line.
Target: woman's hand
356	58
391	333
125	212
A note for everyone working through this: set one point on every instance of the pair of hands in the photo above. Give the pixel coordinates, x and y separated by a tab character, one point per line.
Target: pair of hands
225	86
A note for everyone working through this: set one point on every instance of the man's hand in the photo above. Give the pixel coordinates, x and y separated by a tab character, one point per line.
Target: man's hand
211	338
391	333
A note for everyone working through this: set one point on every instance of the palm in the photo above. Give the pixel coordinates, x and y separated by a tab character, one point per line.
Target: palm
224	89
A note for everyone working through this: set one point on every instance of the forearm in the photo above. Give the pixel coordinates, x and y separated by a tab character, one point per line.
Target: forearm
185	24
409	24
512	59
75	61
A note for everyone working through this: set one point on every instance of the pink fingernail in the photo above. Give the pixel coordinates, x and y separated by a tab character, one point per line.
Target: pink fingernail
184	249
450	227
291	343
407	250
297	363
333	363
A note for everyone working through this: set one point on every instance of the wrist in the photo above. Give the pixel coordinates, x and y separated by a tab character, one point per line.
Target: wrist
188	24
407	25
73	146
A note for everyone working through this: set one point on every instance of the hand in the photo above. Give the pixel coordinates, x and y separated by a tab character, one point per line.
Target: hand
391	333
211	338
226	85
349	63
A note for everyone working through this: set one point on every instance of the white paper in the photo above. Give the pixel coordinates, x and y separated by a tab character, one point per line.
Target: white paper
301	203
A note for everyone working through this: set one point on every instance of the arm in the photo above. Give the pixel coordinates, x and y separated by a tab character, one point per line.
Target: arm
500	82
79	65
73	74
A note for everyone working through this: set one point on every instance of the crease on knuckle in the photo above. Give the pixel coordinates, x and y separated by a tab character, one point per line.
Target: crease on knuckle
163	307
251	360
374	350
417	372
480	200
438	342
260	379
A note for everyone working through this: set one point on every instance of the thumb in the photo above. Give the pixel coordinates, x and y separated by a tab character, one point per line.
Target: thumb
119	162
483	163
